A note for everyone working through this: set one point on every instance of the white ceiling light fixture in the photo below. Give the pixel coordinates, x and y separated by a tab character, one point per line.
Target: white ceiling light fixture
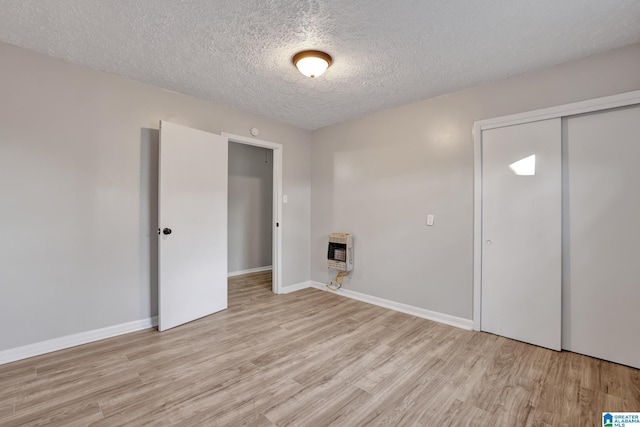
312	63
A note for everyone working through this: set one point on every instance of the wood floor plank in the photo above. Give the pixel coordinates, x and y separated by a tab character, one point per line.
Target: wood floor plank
7	407
592	404
238	410
391	403
153	402
78	413
316	401
456	413
16	376
312	358
62	391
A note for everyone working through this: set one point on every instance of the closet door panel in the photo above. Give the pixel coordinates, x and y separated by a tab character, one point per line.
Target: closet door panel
521	232
601	297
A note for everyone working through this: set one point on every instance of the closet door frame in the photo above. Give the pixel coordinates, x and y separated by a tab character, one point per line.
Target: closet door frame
597	104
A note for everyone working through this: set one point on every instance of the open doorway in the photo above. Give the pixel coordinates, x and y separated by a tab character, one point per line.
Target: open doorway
250	204
255	206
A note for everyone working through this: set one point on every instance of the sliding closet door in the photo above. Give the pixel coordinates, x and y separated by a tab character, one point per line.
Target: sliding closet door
521	232
601	299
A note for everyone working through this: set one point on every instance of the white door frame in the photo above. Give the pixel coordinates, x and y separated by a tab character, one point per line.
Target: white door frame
591	105
276	261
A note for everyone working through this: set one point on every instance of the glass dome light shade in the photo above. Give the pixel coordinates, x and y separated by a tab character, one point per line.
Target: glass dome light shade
312	63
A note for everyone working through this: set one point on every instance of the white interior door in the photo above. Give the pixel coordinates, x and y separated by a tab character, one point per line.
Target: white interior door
602	235
521	232
193	225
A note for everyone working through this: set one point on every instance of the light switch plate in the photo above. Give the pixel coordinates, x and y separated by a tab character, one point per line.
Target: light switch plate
430	219
285	199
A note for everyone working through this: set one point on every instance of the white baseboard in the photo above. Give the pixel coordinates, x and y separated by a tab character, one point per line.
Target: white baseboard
36	349
251	270
447	319
296	287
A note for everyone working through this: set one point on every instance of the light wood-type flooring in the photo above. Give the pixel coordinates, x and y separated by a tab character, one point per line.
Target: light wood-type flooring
311	358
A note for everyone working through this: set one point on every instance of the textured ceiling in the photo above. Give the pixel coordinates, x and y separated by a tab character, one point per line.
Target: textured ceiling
386	53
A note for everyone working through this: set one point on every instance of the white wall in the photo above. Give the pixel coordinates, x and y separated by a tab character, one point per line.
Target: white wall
379	176
250	207
78	186
78	152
